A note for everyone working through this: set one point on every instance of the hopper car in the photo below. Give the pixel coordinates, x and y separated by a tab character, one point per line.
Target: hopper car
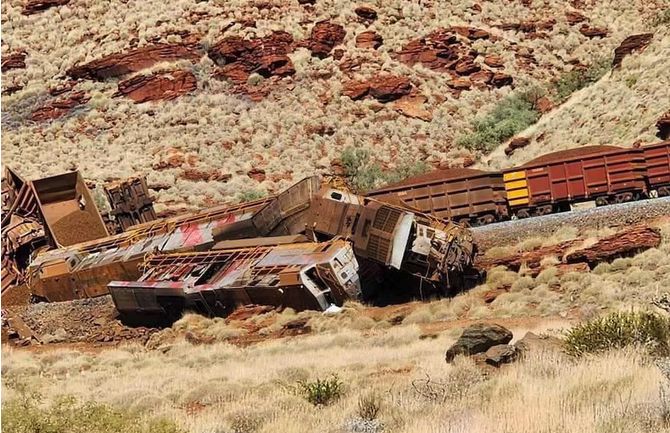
555	182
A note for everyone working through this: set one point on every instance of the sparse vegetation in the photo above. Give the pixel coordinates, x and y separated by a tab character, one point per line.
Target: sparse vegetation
577	79
366	175
26	414
618	330
663	18
250	195
369	406
511	115
321	392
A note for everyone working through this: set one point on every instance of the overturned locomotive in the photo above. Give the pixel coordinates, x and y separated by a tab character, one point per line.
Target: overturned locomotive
308	247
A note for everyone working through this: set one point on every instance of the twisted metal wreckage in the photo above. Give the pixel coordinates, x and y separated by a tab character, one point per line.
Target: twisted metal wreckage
308	247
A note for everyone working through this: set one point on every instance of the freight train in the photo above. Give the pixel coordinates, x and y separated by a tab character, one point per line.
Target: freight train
556	182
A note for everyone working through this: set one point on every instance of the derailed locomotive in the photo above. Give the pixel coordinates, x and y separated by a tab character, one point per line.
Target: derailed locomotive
216	259
552	183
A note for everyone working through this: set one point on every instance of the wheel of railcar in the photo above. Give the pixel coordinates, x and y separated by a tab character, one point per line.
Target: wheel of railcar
601	201
486	219
523	213
664	191
464	222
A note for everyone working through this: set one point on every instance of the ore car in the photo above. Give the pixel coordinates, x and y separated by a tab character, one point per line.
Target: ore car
657	157
553	182
462	195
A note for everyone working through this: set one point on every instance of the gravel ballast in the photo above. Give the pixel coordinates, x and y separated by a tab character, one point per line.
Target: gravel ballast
618	215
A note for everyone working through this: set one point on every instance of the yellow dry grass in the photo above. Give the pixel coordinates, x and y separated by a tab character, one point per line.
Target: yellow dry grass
218	387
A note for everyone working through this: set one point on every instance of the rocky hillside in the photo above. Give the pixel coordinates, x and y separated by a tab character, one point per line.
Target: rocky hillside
217	100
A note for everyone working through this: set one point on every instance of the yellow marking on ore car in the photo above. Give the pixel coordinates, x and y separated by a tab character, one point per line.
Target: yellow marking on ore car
516	186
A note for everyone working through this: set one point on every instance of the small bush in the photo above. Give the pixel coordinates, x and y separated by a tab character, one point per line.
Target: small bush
250	195
26	415
321	392
662	18
578	79
365	175
620	330
513	114
369	407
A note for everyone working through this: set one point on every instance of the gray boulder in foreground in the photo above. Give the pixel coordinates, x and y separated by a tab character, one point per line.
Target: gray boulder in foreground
477	339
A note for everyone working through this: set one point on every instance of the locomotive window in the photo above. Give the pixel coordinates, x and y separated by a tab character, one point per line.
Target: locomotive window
336	195
353	227
366	227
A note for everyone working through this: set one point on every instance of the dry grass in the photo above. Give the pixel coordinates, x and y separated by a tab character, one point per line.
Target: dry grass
221	387
226	388
111	137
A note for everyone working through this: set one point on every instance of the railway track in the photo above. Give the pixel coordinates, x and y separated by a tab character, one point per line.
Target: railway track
616	215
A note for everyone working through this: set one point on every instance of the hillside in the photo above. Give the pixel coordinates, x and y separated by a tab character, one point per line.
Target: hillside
216	100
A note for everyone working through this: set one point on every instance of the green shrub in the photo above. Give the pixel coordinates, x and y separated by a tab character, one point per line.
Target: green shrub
365	175
578	79
321	392
662	18
513	114
620	330
250	195
25	415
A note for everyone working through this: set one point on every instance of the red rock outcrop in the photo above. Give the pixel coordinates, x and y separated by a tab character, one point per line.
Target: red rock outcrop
355	89
634	43
257	174
447	50
502	80
625	241
413	106
369	39
164	86
267	56
663	125
175	160
516	143
35	6
119	64
203	175
324	37
60	107
471	33
440	51
628	241
494	61
459	83
15	60
593	32
366	13
575	17
544	105
386	88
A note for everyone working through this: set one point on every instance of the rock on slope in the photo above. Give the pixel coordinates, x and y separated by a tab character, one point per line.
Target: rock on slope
281	109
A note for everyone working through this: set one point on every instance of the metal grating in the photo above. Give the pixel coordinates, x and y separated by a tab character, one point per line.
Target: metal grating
378	248
386	219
